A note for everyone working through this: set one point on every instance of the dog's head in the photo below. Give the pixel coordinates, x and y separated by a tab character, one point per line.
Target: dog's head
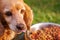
17	15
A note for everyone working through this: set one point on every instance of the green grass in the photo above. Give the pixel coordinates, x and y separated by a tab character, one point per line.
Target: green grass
45	10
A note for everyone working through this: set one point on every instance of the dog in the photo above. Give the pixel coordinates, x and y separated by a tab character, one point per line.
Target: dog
44	31
15	17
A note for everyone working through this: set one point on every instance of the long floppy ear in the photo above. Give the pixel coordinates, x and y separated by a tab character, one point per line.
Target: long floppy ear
1	29
28	16
1	25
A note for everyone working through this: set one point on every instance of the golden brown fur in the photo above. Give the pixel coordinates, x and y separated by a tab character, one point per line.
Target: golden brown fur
25	17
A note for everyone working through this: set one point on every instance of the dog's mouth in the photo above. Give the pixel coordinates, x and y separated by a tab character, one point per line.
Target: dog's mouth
17	29
20	31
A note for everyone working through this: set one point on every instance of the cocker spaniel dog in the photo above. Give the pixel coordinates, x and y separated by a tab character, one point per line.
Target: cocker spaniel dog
44	31
15	18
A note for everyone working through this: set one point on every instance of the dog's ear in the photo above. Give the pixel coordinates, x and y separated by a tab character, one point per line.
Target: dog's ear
28	16
1	29
1	25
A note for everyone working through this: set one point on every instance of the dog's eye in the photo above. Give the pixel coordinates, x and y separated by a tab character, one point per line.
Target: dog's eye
8	13
30	32
22	11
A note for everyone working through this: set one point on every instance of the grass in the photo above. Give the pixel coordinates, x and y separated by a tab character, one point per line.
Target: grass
45	10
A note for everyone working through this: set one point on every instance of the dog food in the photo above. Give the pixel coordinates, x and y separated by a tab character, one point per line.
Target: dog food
49	32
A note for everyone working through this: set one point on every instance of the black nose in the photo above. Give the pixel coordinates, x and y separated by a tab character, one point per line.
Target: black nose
20	26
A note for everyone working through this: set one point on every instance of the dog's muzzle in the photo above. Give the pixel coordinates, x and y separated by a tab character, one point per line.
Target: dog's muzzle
21	28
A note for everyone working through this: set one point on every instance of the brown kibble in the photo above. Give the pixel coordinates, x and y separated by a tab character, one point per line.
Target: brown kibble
51	32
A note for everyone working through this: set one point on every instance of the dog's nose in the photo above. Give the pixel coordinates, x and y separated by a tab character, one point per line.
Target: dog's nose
20	26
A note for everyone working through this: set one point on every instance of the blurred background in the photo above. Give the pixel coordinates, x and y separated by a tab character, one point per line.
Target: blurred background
45	10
